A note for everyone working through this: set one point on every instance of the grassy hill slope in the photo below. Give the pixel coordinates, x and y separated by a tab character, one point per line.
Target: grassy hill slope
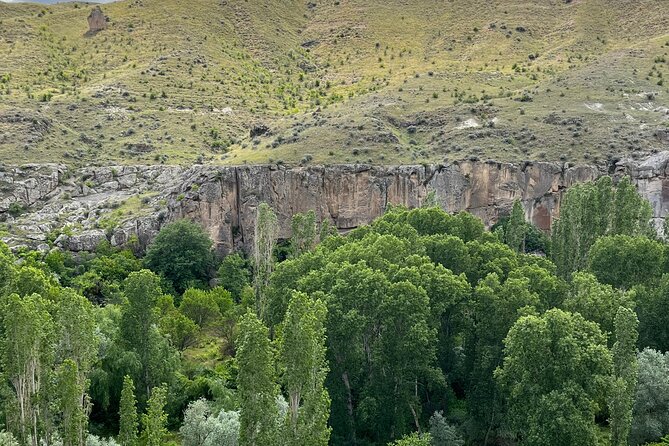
392	81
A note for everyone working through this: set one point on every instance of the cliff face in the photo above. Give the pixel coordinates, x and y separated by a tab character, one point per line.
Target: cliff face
78	209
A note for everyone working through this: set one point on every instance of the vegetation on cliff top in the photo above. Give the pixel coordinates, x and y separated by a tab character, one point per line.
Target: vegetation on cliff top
333	81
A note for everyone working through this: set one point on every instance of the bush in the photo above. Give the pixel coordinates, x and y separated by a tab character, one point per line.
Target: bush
15	209
94	440
202	428
7	439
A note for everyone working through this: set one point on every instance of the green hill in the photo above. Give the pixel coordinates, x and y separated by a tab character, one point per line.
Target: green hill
392	81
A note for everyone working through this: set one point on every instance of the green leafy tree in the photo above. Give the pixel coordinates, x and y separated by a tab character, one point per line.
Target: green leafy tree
154	421
128	418
181	252
516	228
584	216
631	213
591	210
625	374
77	348
302	355
623	261
266	232
595	301
556	367
449	251
181	330
200	306
651	401
74	416
414	439
201	427
303	236
27	354
7	439
495	308
652	302
256	385
139	332
233	275
442	433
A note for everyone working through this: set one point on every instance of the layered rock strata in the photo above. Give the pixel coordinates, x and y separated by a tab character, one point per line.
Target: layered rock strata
50	204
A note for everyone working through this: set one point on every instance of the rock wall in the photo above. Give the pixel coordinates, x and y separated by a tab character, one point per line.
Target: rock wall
76	209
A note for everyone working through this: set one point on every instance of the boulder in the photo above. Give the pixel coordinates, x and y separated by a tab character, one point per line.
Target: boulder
663	135
83	241
97	21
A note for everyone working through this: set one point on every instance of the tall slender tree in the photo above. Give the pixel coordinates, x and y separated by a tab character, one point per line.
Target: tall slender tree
27	356
516	228
78	344
265	237
154	420
139	332
625	375
256	384
128	419
305	368
73	404
303	236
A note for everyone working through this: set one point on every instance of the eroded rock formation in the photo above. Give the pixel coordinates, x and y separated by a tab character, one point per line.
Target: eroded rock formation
97	21
78	209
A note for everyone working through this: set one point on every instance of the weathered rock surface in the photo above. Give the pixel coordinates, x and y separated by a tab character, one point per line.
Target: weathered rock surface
78	209
97	21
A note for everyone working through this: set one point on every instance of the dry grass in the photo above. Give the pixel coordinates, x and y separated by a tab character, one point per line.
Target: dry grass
334	81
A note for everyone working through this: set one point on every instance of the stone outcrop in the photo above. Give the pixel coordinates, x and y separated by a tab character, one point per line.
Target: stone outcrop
97	21
77	209
663	135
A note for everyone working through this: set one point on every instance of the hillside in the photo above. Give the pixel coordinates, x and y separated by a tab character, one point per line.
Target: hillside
290	81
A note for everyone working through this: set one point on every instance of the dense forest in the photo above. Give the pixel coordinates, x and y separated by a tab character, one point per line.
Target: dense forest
423	328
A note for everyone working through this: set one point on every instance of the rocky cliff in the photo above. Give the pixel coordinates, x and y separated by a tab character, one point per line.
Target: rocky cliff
77	209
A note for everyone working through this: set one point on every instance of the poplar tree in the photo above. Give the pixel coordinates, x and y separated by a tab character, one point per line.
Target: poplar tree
265	237
128	419
305	369
631	213
256	384
625	375
27	359
77	347
139	332
73	404
516	228
591	210
154	420
303	227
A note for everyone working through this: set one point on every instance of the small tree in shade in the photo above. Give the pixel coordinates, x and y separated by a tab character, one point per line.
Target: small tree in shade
181	253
